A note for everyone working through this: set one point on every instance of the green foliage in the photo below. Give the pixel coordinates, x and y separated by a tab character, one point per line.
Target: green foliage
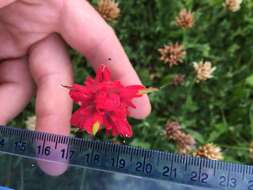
219	110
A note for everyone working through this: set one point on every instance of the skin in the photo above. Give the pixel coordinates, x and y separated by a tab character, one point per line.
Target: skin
34	60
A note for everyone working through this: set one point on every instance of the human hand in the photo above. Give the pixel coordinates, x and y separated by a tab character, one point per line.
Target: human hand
34	59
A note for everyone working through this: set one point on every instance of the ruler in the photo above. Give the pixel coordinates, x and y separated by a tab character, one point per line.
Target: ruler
125	159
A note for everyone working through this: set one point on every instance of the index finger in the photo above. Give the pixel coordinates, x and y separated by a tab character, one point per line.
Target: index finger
86	31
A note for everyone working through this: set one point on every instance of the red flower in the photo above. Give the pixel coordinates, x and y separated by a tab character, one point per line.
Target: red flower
104	103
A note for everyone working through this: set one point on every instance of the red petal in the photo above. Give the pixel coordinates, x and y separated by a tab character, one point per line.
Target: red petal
108	124
129	92
77	118
79	93
102	74
107	102
89	82
122	127
84	118
125	129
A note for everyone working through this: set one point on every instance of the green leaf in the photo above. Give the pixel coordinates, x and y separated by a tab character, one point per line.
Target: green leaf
249	80
148	90
167	79
197	136
218	130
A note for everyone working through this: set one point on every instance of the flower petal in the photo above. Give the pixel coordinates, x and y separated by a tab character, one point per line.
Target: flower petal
77	118
95	128
107	101
102	74
79	93
89	82
121	127
130	92
104	102
84	118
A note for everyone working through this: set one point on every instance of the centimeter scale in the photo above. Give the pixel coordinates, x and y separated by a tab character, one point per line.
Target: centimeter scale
146	166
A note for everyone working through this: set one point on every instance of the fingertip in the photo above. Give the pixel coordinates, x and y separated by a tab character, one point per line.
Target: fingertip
56	168
53	169
143	108
54	125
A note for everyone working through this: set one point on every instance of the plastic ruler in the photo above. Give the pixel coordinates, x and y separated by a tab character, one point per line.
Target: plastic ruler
125	159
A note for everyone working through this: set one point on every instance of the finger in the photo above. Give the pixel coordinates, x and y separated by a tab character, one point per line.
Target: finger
16	88
4	3
51	68
84	29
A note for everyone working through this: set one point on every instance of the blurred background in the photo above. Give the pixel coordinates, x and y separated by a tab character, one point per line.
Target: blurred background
200	55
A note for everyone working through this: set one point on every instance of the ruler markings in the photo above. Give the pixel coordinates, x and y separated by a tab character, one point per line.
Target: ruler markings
129	160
